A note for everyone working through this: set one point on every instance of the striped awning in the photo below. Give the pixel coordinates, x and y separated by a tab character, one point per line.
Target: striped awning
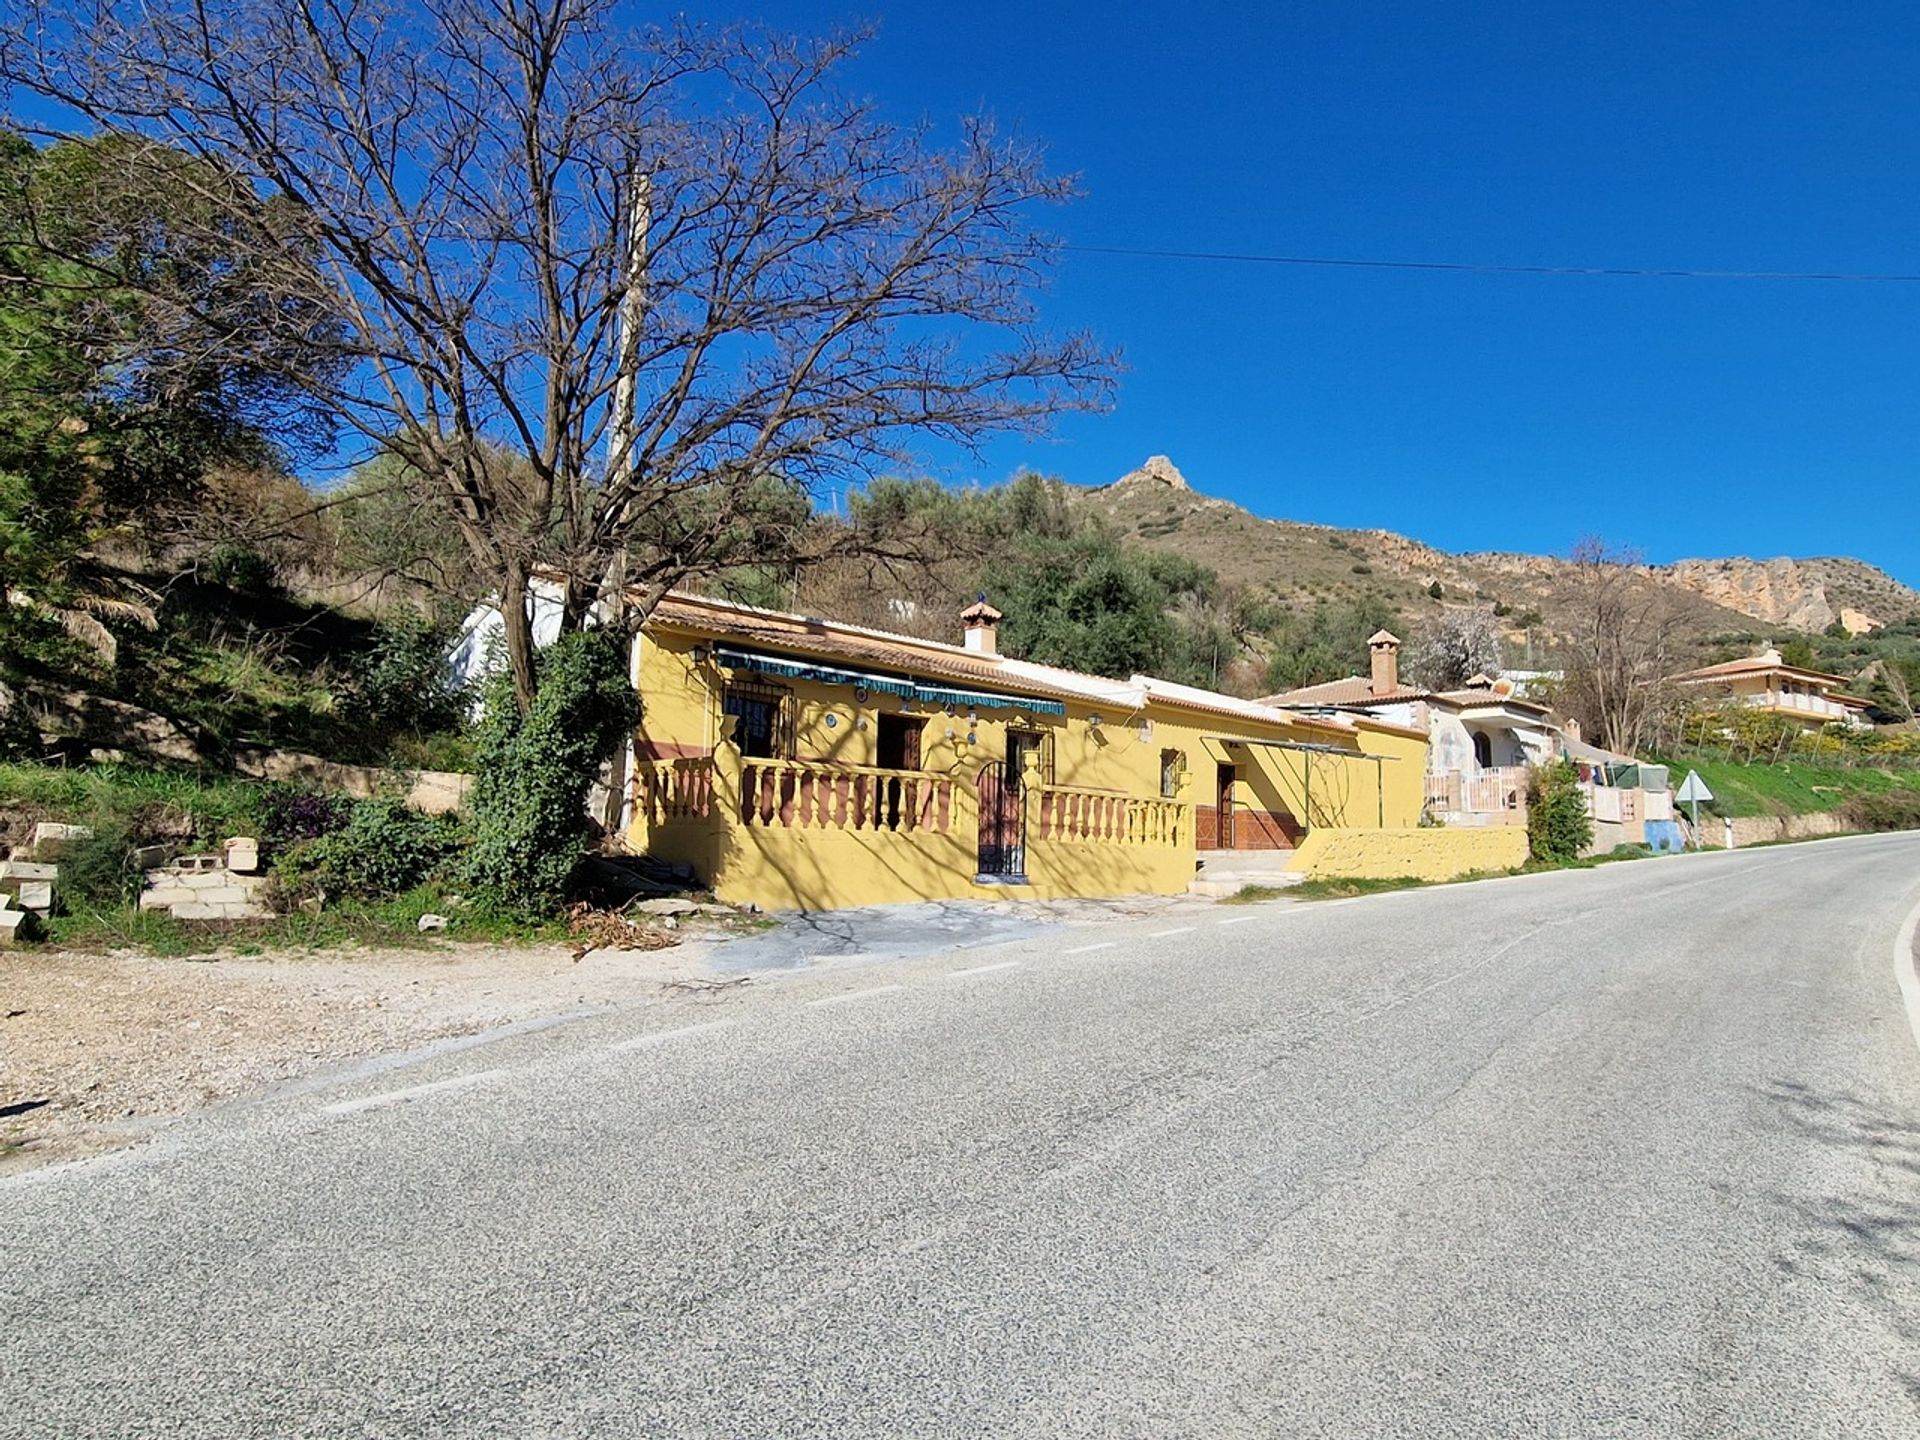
735	658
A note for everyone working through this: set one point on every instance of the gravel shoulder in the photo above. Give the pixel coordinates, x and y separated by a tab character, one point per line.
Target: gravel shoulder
99	1050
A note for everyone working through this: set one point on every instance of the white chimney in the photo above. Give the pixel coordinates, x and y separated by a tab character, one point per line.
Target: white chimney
982	622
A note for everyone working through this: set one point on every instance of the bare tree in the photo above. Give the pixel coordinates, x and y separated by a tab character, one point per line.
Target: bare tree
1624	643
524	215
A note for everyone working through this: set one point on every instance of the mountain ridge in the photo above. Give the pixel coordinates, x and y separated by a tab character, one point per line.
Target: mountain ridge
1304	562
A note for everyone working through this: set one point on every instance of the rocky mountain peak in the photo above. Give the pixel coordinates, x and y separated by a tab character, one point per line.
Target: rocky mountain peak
1158	470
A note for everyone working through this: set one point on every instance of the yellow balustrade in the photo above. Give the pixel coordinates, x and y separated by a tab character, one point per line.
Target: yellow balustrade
804	794
1062	812
669	790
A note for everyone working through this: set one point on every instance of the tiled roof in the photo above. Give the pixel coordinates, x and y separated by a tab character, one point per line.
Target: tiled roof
831	640
1354	690
1757	665
1477	696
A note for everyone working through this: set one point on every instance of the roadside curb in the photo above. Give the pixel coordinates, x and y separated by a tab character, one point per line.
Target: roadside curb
1906	968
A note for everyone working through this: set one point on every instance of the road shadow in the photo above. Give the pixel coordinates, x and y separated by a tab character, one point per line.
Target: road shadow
1868	1238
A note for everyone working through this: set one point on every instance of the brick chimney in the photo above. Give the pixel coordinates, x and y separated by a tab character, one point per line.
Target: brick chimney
1385	649
982	622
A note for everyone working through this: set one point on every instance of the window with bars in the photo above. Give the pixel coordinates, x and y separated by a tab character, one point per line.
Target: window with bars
1172	763
763	719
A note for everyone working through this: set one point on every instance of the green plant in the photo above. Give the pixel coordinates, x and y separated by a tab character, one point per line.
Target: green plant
1254	894
239	569
96	871
533	770
383	849
401	682
1557	825
1436	591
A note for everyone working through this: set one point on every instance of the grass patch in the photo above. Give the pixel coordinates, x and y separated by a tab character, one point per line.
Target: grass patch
1793	787
1254	894
1346	887
207	808
377	924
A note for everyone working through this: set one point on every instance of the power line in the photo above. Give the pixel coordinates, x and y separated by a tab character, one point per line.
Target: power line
1344	263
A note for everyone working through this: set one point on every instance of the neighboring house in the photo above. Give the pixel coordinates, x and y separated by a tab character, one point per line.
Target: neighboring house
1810	699
802	763
1482	737
1629	801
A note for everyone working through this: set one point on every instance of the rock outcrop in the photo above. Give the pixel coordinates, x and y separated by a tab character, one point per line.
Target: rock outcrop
1158	470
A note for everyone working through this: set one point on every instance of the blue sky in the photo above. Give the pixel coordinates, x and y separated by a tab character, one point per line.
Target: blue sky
1684	417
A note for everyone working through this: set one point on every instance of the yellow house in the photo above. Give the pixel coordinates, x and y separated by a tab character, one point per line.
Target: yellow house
1810	699
800	763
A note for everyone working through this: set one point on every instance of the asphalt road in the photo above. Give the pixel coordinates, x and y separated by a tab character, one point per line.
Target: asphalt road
1629	1152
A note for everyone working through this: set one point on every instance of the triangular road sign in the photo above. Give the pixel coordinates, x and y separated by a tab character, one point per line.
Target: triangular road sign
1694	790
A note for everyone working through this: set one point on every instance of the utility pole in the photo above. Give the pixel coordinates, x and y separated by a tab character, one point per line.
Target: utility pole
621	465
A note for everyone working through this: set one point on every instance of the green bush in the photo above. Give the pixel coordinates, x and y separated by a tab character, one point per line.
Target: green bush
1557	825
532	771
1888	810
383	849
401	683
96	871
237	568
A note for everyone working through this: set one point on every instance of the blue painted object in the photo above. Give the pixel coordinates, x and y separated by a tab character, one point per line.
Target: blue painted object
1664	837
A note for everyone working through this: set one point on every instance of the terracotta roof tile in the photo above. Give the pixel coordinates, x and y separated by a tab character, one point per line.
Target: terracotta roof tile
1354	690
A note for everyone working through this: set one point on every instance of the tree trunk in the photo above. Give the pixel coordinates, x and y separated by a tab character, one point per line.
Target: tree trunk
517	626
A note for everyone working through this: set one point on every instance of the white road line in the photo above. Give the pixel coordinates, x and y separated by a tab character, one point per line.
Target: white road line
1241	920
855	995
1177	930
394	1097
1089	949
1903	969
984	969
660	1037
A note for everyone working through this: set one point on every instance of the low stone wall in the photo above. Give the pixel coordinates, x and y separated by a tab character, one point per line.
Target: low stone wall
1440	853
1753	829
433	792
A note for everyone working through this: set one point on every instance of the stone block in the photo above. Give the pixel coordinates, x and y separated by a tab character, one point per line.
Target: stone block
15	926
27	870
242	854
188	863
218	910
36	895
149	857
222	895
160	897
50	839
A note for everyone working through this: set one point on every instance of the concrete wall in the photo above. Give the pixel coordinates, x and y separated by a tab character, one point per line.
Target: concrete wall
1440	853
